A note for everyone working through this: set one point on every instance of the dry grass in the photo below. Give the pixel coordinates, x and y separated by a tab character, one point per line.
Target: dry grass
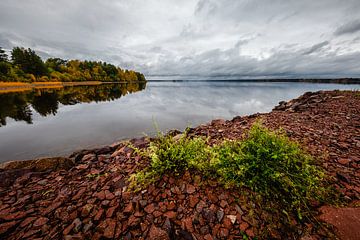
7	87
13	84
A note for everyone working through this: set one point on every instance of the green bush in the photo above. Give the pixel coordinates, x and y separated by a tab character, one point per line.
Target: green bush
266	162
172	155
271	165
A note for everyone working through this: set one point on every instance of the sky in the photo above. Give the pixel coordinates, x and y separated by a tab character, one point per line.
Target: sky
193	39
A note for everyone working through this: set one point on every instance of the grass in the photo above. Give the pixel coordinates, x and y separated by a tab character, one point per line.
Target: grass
8	87
279	173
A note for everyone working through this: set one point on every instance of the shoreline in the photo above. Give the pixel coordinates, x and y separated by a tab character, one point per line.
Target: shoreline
90	185
6	87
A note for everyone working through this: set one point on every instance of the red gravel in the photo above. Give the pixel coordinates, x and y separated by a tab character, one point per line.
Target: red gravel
91	201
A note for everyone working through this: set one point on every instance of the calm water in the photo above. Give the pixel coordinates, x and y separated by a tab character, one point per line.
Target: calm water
51	122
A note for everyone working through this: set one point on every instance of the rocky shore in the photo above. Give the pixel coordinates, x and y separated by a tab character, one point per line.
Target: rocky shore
85	195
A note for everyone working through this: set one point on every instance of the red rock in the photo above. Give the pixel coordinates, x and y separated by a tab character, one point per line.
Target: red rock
110	228
250	232
171	206
188	224
227	223
170	214
100	195
346	221
109	195
4	227
13	216
190	189
129	208
52	207
208	237
99	214
193	200
27	221
223	203
156	233
150	208
86	210
157	214
40	221
344	161
110	211
224	233
79	194
133	221
30	233
243	226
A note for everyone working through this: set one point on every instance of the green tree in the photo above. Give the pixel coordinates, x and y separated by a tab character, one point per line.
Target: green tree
56	64
28	61
3	55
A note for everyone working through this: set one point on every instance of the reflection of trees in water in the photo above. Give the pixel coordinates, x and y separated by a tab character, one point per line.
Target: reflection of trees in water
46	101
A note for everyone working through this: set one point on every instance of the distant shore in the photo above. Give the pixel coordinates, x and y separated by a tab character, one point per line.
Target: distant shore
290	80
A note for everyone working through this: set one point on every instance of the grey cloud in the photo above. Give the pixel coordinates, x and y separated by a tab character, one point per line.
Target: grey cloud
192	38
316	47
348	28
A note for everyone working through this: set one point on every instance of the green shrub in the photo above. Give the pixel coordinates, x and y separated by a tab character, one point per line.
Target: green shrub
271	165
170	155
268	163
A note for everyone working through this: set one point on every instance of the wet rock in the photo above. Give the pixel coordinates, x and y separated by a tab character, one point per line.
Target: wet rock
41	164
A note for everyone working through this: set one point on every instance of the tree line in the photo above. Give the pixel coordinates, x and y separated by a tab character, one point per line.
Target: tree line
24	65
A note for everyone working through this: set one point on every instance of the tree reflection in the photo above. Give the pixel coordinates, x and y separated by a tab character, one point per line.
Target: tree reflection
16	105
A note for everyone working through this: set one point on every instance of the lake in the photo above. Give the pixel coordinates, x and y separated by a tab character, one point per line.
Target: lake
58	121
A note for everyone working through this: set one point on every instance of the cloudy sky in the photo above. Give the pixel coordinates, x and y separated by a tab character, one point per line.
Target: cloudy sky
198	39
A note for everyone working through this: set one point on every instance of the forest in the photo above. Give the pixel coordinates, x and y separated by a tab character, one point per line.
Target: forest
24	65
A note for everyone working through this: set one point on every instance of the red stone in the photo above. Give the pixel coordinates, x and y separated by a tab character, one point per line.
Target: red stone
27	221
156	233
109	195
171	206
188	224
193	200
190	189
243	226
99	214
129	208
224	233
133	221
344	161
100	195
86	210
110	211
40	221
227	223
4	227
110	228
150	208
223	203
170	214
157	214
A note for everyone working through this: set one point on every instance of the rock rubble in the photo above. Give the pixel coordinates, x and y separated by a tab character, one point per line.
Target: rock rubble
89	199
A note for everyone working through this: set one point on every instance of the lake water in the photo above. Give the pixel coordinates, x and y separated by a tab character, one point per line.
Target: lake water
50	122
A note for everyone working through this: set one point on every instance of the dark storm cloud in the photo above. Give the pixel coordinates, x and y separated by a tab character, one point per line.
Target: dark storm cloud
198	38
348	28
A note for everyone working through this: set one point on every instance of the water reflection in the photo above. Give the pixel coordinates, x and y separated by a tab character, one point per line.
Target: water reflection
85	119
19	105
